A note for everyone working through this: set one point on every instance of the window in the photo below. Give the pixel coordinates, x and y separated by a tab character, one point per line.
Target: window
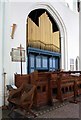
72	64
77	63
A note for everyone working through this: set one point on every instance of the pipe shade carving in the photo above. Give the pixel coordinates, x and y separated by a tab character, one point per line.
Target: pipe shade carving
42	36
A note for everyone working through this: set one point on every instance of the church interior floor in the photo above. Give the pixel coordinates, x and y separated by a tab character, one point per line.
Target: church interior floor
59	110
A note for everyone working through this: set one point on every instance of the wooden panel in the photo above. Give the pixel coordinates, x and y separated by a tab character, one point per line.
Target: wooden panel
32	61
56	63
38	62
50	62
19	80
44	62
53	62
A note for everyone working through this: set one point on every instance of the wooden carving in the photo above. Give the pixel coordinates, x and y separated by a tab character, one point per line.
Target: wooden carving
13	31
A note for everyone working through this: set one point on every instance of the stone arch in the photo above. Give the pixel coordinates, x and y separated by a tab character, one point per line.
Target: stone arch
62	29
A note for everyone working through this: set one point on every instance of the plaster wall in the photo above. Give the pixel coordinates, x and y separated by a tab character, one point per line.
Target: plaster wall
1	51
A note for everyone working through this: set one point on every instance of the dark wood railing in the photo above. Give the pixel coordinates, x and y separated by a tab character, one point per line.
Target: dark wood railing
59	85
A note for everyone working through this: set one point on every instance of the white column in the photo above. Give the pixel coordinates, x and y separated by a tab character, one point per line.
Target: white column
62	54
80	39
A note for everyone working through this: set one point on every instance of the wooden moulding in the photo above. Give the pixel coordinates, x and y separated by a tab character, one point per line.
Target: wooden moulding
13	31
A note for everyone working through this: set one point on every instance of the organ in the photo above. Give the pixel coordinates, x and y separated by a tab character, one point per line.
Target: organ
43	43
42	36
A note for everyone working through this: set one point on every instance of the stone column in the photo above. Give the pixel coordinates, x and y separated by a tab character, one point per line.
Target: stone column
80	39
64	54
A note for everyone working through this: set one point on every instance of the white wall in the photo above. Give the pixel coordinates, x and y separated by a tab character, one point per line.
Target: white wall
71	21
1	50
80	37
17	12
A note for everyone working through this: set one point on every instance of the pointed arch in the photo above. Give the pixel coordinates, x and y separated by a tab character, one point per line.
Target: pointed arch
63	32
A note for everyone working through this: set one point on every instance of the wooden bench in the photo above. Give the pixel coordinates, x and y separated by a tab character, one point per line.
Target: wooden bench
51	85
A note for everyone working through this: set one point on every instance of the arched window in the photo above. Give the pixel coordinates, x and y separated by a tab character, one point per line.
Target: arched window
77	63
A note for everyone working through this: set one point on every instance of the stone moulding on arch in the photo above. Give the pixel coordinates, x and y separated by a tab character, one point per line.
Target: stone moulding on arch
62	28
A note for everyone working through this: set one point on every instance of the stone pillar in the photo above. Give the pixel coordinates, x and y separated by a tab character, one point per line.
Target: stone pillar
62	54
80	39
